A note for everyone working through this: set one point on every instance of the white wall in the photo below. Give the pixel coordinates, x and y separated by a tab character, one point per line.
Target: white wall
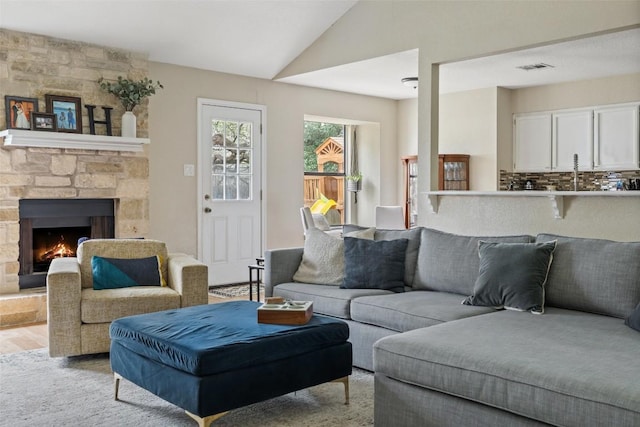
468	125
407	136
584	93
505	132
173	133
370	163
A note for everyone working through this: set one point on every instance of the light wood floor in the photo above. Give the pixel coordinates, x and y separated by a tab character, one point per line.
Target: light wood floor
15	339
35	336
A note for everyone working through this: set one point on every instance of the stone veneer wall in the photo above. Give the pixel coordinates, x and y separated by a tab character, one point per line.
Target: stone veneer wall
32	66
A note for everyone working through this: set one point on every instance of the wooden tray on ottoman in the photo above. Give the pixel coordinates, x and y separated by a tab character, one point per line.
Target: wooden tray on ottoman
288	313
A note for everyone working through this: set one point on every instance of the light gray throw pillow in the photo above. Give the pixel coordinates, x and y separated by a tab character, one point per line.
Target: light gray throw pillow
322	259
512	275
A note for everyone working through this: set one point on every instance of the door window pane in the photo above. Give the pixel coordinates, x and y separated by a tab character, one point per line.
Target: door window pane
230	188
231	161
244	187
232	167
217	182
244	163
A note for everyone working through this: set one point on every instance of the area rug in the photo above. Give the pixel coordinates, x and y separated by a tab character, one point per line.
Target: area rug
36	390
232	291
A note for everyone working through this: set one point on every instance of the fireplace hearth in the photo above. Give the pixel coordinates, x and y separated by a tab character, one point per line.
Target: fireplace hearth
51	228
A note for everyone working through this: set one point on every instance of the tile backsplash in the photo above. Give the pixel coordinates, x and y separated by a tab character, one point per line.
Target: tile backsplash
587	180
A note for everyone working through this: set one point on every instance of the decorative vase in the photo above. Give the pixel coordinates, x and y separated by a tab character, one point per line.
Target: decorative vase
129	125
354	186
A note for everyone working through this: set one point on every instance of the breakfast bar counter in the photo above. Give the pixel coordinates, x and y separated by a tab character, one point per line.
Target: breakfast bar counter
556	198
611	215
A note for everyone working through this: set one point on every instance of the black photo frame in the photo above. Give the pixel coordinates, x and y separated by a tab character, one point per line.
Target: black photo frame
44	122
68	112
19	110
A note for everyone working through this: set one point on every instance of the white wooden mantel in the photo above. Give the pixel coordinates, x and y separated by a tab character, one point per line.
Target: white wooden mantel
30	138
556	198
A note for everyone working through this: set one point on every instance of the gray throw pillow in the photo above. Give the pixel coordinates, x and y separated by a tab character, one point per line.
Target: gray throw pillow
411	257
512	275
371	264
633	321
322	259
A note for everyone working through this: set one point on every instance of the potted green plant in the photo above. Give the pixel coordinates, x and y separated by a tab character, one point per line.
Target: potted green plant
354	181
130	93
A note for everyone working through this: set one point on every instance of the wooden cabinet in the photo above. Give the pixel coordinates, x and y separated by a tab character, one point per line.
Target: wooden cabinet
410	168
532	142
453	172
616	144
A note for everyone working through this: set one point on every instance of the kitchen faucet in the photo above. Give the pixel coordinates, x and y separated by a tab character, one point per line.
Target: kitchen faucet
575	172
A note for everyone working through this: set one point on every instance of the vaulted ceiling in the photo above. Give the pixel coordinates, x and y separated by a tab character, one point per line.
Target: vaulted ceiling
258	38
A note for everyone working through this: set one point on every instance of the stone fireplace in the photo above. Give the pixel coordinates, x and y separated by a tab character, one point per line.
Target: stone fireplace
30	175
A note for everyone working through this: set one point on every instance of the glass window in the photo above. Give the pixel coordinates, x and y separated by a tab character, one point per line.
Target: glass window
324	158
231	156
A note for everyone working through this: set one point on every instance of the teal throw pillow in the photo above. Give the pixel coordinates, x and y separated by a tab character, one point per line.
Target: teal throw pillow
512	275
374	264
113	273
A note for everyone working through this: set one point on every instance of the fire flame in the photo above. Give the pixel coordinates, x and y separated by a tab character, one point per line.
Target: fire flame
59	250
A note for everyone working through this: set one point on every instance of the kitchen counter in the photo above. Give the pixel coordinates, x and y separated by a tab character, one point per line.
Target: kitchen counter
556	198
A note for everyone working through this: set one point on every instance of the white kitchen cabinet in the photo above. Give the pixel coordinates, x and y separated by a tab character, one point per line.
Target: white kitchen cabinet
606	138
616	145
572	134
532	142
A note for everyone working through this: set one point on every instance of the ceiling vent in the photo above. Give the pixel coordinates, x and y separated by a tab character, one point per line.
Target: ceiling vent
538	66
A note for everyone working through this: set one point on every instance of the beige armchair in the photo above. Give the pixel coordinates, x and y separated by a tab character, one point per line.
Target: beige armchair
79	316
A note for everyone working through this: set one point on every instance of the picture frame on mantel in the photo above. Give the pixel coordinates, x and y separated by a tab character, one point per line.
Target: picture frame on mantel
19	110
68	112
44	122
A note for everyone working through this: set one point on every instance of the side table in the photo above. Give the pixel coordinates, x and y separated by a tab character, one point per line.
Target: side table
257	267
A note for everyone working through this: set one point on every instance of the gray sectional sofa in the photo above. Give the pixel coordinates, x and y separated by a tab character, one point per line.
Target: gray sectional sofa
438	362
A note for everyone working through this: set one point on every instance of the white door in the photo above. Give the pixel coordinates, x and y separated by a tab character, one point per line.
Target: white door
230	160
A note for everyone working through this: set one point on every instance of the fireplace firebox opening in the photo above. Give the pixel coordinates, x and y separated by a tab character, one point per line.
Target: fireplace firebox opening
51	243
51	228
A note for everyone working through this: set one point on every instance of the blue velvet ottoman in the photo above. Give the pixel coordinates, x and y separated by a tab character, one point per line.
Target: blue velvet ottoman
210	359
